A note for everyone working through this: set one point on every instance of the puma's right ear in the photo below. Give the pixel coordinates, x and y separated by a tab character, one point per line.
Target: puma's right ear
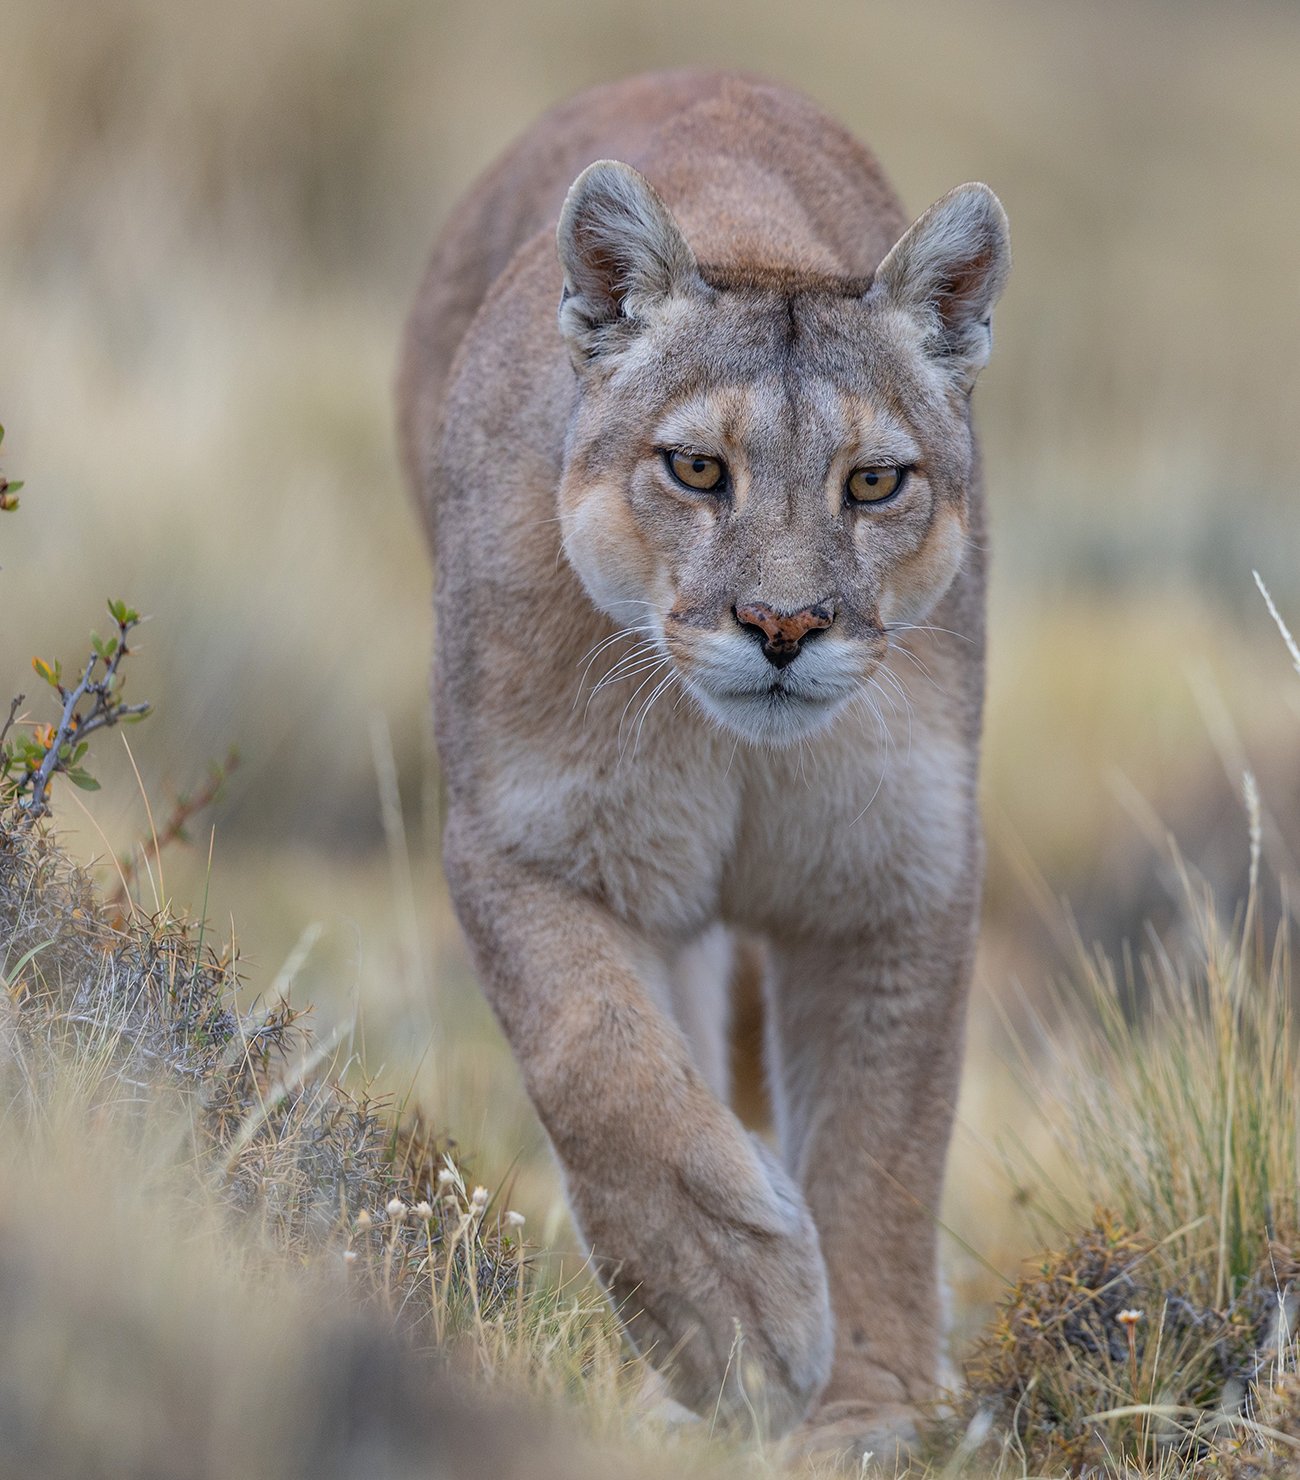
949	268
621	252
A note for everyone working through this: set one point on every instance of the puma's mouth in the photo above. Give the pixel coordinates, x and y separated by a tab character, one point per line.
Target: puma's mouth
773	715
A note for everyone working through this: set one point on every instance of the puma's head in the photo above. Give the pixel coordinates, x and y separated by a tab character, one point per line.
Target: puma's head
770	473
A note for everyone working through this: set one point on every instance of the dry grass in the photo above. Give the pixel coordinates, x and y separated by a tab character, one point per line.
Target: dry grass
1163	1340
137	1016
1102	1362
1159	1343
257	1273
146	1335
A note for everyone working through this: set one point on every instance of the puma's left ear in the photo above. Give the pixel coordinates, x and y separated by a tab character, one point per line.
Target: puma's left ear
949	269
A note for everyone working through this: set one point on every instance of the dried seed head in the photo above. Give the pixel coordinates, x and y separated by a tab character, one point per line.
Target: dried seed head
364	1220
479	1199
349	1256
1129	1317
396	1209
445	1177
514	1220
423	1210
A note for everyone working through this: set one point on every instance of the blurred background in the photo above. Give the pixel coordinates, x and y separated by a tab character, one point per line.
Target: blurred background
213	221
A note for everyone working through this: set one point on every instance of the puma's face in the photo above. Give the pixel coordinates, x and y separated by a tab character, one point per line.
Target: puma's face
766	477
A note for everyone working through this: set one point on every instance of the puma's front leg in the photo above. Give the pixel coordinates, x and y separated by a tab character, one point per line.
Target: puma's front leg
868	1033
697	1232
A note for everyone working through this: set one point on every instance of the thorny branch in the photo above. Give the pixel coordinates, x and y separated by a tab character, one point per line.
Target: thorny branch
63	744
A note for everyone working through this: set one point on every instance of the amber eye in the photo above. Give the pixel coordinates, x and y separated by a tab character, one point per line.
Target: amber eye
875	485
703	474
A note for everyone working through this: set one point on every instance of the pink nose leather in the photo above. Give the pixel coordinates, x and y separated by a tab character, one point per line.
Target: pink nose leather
783	630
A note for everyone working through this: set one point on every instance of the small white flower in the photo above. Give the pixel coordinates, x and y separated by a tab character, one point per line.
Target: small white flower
479	1199
445	1177
1129	1317
349	1256
514	1220
396	1209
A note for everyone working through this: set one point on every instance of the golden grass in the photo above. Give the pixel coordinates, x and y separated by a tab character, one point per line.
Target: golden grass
1160	1343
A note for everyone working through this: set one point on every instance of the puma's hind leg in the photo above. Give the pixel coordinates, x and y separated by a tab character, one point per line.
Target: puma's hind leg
699	990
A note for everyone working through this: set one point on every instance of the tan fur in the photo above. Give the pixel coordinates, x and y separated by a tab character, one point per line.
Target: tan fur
619	804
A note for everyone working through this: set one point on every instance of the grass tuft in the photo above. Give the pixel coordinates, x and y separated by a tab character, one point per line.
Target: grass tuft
1099	1361
126	1016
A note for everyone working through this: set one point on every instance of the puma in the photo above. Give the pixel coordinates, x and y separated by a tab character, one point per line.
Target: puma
709	668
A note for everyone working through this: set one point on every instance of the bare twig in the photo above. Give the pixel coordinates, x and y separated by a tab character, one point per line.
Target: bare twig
14	707
187	807
64	743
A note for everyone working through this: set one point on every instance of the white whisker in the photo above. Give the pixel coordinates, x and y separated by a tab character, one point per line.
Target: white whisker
907	652
593	652
735	745
628	667
908	710
640	689
662	687
923	627
884	769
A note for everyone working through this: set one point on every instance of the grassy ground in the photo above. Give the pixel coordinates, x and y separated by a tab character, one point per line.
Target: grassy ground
213	223
307	1279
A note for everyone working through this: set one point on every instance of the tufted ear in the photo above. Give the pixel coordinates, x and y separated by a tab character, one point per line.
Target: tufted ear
949	268
621	251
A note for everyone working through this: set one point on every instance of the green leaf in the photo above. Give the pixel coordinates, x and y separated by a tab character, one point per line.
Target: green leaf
83	780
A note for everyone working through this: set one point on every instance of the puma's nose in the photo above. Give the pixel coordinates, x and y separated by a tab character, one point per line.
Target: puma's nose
782	632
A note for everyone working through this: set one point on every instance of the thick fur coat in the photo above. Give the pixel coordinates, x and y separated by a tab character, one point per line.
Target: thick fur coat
705	503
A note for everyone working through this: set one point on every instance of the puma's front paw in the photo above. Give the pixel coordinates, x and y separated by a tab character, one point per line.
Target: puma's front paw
855	1434
728	1295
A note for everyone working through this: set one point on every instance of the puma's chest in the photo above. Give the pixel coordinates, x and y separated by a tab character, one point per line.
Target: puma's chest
857	835
672	836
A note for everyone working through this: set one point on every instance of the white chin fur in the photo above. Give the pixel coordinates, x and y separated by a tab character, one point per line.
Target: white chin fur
777	718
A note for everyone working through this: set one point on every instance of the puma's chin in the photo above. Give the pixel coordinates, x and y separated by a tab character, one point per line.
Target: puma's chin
777	715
